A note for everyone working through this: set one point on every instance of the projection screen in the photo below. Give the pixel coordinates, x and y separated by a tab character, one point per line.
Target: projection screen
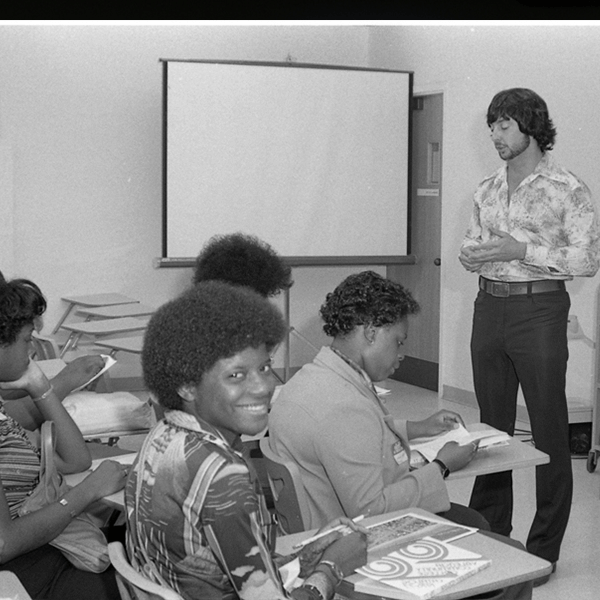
312	159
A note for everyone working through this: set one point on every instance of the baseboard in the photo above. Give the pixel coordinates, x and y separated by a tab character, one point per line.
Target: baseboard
468	398
577	413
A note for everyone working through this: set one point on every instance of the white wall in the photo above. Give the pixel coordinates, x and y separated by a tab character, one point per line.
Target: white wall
80	150
469	65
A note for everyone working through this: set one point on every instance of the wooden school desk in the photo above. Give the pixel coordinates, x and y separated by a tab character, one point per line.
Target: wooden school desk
509	565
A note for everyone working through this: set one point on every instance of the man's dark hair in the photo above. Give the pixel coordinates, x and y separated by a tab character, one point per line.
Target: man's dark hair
529	110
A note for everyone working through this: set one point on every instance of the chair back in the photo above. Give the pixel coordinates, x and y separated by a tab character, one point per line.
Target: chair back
289	495
133	585
44	348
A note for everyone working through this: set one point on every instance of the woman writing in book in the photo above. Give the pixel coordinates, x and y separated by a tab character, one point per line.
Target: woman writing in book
353	457
24	540
196	518
328	419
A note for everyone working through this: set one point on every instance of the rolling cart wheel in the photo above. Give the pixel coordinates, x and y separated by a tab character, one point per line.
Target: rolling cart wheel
592	461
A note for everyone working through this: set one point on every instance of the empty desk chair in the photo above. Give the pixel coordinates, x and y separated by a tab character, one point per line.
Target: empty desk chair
101	328
93	300
44	348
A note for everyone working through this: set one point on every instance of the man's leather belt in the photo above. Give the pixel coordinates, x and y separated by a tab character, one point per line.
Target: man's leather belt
503	289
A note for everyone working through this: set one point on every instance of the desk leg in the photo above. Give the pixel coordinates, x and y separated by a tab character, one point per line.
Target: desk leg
71	343
65	315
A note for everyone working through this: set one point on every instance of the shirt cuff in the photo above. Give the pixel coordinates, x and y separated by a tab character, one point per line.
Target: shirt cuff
537	255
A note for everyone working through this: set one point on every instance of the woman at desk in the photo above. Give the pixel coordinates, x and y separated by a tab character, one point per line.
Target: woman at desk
24	540
196	517
328	419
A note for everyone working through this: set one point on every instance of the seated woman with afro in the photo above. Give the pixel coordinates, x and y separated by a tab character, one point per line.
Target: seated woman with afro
197	520
242	259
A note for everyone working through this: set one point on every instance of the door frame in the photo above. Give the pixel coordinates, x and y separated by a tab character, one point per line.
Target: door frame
413	370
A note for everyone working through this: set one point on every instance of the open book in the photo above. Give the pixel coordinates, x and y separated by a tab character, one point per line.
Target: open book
424	567
429	447
410	527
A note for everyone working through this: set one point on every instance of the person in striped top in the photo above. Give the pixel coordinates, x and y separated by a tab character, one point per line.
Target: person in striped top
24	540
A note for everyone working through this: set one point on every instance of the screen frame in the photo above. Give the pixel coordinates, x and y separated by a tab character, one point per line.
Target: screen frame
175	262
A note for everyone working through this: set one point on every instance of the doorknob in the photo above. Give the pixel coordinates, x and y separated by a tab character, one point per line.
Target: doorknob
437	262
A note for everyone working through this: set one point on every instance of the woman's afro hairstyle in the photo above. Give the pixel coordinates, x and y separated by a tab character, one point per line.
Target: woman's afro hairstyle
365	298
187	336
529	110
243	259
21	302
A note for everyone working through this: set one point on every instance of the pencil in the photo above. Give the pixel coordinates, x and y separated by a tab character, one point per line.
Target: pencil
318	536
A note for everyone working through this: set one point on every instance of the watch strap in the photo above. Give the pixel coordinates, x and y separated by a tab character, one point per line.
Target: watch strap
443	467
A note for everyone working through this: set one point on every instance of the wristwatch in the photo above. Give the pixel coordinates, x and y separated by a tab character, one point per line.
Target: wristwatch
443	467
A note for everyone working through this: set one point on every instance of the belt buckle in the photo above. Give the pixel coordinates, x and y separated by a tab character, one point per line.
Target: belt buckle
500	289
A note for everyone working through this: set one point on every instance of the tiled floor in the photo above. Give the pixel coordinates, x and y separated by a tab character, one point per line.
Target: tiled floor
578	570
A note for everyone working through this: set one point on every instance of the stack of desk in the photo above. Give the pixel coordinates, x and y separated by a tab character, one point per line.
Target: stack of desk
101	328
92	301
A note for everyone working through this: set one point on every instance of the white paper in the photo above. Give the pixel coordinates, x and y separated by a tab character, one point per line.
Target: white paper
429	447
109	361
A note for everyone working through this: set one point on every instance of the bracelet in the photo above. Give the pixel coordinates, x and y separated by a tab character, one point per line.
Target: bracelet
337	572
313	588
44	395
64	502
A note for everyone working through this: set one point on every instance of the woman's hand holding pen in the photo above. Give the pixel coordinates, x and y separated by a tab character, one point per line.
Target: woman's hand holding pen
330	543
456	456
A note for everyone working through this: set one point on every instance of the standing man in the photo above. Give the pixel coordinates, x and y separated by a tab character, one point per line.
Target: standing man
533	227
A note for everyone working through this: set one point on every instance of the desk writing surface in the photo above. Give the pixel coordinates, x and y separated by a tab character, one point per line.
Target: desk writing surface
515	455
103	452
102	299
494	459
509	565
114	311
107	326
132	344
11	587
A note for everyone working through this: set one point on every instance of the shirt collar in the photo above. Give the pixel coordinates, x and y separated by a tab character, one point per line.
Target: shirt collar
191	423
363	374
547	167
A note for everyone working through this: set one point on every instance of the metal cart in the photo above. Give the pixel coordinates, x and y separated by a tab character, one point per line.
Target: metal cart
592	460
